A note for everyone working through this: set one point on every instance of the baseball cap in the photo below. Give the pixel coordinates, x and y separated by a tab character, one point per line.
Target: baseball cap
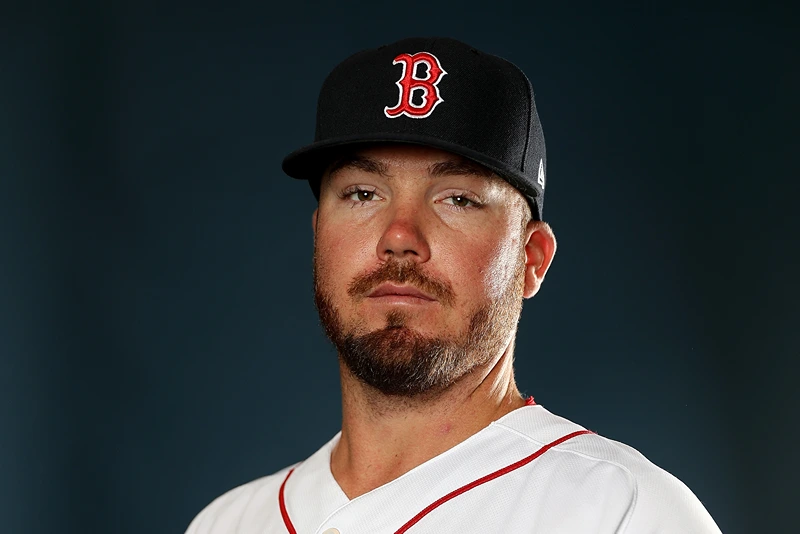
437	92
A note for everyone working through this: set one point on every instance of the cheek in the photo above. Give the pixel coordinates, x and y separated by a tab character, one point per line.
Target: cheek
340	255
492	267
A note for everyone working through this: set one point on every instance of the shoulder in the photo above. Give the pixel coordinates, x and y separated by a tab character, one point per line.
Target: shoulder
656	500
229	509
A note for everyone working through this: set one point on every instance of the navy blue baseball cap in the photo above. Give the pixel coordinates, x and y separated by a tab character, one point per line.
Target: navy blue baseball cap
437	92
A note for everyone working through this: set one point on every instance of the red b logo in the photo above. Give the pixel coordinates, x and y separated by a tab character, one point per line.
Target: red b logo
409	82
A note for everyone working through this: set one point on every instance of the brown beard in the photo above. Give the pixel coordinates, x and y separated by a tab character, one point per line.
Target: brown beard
397	360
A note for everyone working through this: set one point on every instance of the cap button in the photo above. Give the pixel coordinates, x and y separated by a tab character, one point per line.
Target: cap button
332	531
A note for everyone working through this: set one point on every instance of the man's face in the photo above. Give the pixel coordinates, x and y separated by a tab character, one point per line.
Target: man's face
419	265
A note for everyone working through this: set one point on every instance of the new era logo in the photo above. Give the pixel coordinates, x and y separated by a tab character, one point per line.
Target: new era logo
540	178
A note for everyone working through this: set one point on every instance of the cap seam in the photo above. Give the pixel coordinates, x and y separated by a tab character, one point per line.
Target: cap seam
529	88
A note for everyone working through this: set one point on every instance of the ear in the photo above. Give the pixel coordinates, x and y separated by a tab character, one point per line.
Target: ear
540	247
314	221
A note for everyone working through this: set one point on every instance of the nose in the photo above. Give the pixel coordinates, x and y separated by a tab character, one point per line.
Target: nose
404	238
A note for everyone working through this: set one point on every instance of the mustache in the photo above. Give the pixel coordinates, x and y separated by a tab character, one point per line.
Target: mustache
402	273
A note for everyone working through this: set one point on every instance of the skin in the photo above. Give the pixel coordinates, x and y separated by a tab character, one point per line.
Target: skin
400	206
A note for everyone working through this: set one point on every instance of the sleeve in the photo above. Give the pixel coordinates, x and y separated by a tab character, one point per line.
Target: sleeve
214	513
246	508
665	505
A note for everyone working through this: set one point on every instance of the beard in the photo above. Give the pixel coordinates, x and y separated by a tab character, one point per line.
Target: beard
399	361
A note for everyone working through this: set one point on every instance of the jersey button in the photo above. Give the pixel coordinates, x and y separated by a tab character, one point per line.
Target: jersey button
332	531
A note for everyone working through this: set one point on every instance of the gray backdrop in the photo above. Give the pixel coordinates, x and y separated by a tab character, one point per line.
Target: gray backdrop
158	340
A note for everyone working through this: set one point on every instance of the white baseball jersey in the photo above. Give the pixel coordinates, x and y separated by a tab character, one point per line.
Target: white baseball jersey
528	472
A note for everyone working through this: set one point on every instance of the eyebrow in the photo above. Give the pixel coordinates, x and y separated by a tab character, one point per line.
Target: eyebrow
460	167
361	163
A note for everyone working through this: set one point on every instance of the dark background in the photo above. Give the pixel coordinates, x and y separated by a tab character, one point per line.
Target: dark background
158	340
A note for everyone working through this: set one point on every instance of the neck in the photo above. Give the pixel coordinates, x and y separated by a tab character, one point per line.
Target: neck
384	437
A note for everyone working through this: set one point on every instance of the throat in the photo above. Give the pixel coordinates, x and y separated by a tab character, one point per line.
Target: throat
368	456
360	465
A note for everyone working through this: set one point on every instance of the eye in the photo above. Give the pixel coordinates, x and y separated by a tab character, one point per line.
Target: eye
362	195
359	196
461	201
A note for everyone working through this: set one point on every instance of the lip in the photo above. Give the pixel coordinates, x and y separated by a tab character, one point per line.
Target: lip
394	291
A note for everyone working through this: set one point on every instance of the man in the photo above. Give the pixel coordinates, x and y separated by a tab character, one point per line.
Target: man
429	167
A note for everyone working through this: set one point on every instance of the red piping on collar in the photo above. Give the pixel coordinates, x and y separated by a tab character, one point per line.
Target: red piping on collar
453	494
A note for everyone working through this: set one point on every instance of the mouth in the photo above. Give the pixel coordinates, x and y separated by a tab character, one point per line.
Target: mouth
397	293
